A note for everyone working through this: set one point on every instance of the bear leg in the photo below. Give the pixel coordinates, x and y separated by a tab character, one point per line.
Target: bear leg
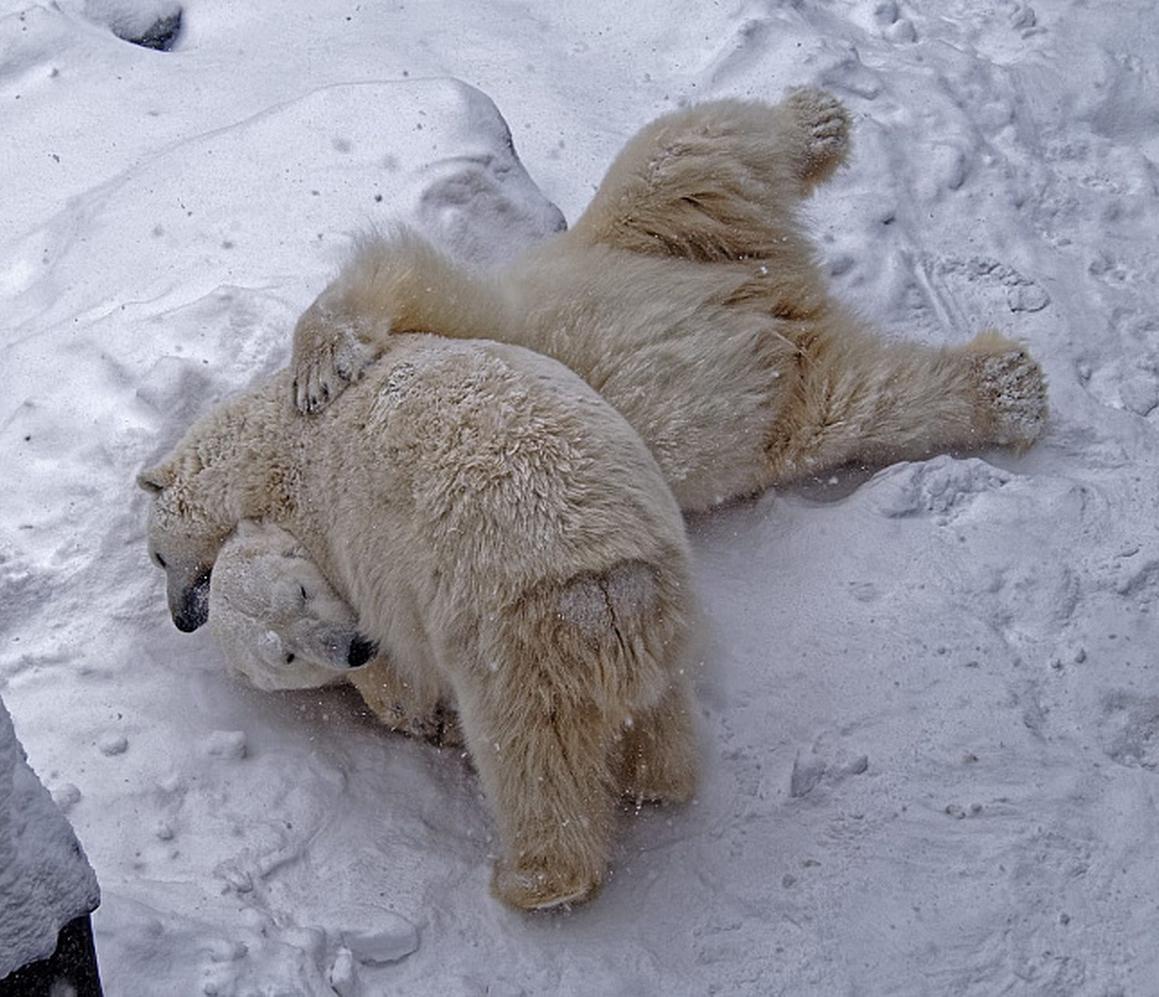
859	398
392	283
545	770
404	707
659	750
720	181
816	134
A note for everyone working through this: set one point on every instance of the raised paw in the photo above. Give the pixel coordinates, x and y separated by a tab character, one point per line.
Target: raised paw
543	886
823	124
1012	390
328	356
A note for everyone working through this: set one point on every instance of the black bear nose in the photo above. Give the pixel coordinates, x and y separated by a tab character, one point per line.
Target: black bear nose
194	609
188	622
361	651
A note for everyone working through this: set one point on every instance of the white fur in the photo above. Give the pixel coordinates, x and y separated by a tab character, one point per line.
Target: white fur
278	621
688	296
508	541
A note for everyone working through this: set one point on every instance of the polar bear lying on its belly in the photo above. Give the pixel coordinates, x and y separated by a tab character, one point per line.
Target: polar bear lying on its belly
508	542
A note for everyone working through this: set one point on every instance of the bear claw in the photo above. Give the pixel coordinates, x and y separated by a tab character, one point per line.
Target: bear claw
824	122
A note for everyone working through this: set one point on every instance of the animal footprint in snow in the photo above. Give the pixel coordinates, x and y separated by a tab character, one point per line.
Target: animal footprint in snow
1022	293
958	292
811	769
940	487
1130	729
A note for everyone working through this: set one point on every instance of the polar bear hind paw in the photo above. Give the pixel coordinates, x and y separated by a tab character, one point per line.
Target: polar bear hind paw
824	126
1012	389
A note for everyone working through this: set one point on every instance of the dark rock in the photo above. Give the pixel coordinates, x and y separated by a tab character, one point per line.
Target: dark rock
160	35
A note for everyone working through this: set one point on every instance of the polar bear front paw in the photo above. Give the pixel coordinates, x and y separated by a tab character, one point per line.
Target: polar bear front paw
328	356
1012	391
824	129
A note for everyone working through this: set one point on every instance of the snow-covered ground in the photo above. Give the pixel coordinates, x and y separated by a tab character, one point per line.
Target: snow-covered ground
930	696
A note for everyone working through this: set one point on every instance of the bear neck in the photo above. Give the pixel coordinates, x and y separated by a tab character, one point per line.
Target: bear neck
242	450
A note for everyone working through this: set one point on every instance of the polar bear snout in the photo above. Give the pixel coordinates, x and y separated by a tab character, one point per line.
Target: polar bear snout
361	651
189	606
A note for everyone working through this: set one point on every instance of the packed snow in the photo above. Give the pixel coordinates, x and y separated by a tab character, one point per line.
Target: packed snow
930	694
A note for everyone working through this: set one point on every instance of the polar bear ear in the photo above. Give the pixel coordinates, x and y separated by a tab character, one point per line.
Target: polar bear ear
156	478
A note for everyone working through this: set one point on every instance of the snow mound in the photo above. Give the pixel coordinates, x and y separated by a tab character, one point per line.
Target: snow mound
45	879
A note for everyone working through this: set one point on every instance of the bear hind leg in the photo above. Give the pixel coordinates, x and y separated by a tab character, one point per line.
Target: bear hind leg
859	398
545	769
544	715
659	750
720	181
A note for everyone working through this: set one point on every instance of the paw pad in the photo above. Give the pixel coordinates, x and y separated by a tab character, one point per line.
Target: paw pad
824	123
1014	389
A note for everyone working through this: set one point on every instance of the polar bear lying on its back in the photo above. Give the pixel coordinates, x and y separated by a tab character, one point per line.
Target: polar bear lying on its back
508	542
689	296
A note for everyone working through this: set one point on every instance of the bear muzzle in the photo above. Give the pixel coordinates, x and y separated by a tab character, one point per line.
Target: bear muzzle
191	609
361	651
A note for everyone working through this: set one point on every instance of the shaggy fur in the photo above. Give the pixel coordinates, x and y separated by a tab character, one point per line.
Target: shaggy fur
510	544
281	625
278	621
688	296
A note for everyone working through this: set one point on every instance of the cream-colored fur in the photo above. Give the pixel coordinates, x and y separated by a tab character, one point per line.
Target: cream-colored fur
510	544
277	620
281	625
688	296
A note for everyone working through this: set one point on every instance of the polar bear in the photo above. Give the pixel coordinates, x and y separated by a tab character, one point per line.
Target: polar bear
508	541
689	297
279	622
281	625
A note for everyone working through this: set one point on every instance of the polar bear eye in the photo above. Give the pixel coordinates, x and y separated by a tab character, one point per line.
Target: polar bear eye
160	560
302	589
290	658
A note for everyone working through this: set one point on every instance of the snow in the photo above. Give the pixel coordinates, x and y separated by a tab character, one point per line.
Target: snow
930	697
45	880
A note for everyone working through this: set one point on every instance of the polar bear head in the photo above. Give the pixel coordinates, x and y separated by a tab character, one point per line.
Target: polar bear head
185	533
277	619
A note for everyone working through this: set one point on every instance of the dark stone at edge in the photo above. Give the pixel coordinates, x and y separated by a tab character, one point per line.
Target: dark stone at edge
161	34
74	962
